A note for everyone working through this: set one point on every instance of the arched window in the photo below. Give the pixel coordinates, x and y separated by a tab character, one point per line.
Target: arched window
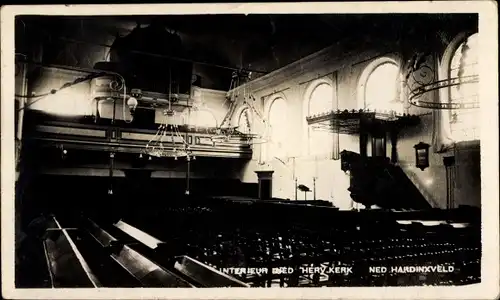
278	128
320	101
380	83
244	125
464	123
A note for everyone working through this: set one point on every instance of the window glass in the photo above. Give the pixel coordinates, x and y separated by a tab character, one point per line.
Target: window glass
320	138
464	123
380	89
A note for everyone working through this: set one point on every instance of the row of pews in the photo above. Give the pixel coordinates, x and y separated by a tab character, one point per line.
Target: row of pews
76	252
228	242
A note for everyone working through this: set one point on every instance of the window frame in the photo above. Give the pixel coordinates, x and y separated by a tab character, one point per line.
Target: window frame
446	140
449	98
307	99
367	73
269	145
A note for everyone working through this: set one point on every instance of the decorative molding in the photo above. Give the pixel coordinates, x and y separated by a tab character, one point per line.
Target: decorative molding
205	151
168	138
206	91
71	131
290	71
324	57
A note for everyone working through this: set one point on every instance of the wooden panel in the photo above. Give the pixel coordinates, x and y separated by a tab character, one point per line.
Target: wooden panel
204	141
205	275
231	143
147	137
138	148
71	131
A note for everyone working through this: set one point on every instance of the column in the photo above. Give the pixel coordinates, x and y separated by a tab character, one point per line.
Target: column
335	135
363	139
394	141
449	163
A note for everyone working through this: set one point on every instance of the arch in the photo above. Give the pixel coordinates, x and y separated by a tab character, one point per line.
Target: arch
450	50
310	89
444	134
464	123
316	91
270	101
278	127
384	66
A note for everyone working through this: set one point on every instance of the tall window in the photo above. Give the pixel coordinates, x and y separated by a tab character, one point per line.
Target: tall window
320	139
381	88
464	123
278	128
244	120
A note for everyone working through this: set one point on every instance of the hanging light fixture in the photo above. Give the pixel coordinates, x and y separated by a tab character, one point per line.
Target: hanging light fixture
111	169
156	146
420	81
225	130
168	129
237	95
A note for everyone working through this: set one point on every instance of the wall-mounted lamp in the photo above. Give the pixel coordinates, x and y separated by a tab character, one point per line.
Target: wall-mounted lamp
132	104
422	155
64	152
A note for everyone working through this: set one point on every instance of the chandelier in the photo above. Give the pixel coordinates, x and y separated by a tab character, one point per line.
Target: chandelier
226	130
420	81
238	94
417	93
168	140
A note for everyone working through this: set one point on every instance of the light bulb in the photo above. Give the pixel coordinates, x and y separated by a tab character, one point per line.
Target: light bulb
132	103
65	151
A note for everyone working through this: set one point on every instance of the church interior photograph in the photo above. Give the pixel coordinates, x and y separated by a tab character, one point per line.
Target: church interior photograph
258	150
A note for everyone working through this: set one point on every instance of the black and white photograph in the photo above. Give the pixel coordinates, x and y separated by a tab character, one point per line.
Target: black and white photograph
178	151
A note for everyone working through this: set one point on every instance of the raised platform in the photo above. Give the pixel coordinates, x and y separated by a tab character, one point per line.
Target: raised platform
83	133
350	121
